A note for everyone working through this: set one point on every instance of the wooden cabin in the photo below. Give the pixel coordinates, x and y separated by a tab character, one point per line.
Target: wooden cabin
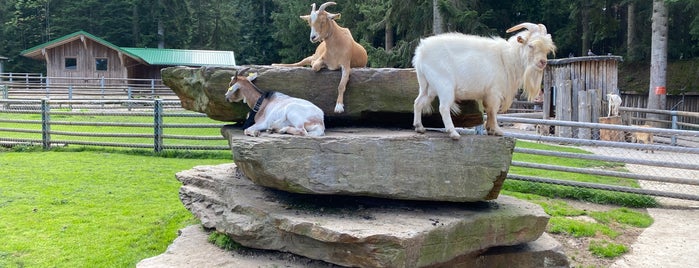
83	55
575	89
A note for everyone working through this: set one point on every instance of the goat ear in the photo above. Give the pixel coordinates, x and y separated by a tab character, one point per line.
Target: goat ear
252	76
334	16
306	18
521	40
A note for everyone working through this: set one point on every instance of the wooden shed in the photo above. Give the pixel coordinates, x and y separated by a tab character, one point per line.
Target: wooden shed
83	55
575	90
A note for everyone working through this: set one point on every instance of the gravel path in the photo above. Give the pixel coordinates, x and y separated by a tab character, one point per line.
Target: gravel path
673	239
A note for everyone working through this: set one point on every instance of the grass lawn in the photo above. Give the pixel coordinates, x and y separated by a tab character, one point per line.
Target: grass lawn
90	208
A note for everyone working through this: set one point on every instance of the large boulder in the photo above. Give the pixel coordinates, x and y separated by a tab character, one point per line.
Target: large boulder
374	96
396	164
361	231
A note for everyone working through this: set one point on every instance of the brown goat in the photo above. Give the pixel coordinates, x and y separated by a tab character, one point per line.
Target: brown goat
337	48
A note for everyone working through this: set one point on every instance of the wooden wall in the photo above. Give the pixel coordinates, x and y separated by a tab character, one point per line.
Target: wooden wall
85	52
575	90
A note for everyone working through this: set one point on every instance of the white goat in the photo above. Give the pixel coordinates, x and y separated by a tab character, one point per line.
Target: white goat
274	111
337	48
614	102
455	67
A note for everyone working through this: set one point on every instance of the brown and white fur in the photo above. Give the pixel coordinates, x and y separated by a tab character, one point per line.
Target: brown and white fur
278	112
337	49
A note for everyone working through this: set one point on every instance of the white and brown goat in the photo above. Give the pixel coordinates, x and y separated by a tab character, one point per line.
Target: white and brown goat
274	111
455	67
337	48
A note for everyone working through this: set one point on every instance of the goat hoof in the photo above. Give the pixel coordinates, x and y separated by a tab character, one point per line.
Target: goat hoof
495	132
420	130
454	136
339	108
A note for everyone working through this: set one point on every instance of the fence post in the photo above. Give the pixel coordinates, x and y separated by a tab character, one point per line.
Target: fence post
673	140
5	95
45	124
158	125
102	89
128	97
152	88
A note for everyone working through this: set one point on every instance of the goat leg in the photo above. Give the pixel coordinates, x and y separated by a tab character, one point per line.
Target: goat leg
346	70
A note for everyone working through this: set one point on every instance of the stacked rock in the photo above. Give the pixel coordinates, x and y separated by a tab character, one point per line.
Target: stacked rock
369	198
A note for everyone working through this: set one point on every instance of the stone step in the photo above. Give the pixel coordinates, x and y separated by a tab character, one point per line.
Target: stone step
357	231
395	164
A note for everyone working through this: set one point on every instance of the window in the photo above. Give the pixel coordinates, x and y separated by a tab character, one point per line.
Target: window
101	64
71	64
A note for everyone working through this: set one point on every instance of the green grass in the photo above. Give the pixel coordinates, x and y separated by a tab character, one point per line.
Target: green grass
606	225
607	249
192	131
90	208
569	192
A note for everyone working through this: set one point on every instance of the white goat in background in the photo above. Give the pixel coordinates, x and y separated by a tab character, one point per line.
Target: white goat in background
337	49
614	102
274	111
455	67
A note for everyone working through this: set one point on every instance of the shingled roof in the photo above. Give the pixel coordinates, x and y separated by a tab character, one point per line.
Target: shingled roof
149	56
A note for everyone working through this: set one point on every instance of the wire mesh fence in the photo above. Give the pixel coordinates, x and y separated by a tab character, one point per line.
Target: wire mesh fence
153	124
628	163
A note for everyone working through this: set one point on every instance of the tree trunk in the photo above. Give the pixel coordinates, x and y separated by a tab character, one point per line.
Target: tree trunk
437	20
631	31
388	36
658	58
585	21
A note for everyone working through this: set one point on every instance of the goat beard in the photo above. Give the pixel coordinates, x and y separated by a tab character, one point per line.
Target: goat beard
532	81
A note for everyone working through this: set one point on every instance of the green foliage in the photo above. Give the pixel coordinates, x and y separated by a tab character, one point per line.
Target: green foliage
623	216
607	249
578	228
89	208
223	241
268	31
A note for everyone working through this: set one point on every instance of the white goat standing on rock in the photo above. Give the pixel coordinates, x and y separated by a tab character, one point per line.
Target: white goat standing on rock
614	102
337	48
275	111
455	67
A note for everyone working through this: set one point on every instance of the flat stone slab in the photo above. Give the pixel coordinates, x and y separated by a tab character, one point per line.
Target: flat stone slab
395	164
192	250
374	96
355	231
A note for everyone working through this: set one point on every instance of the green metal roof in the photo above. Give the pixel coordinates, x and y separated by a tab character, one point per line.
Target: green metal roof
150	56
157	56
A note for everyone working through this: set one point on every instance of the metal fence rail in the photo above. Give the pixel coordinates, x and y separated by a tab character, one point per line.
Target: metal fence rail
37	86
668	169
53	112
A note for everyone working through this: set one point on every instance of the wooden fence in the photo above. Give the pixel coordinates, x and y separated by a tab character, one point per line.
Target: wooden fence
37	86
112	123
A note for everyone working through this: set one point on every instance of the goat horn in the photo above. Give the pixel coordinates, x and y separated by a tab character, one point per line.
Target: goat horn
242	71
530	26
313	7
543	28
324	5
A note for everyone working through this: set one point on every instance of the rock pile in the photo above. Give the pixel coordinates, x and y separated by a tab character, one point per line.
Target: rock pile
361	197
334	198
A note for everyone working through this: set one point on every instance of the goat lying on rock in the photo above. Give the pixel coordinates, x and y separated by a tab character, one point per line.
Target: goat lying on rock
337	48
274	111
455	67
